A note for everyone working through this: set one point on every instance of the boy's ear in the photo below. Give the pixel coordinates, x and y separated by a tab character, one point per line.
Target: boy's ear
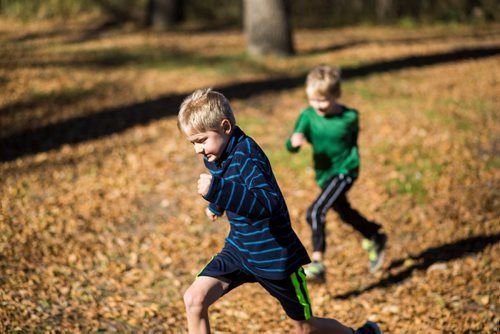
226	126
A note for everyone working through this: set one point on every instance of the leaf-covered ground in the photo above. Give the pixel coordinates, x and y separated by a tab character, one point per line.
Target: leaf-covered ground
101	229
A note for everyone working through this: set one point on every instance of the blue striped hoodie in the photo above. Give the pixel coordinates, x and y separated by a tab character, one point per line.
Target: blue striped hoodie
261	238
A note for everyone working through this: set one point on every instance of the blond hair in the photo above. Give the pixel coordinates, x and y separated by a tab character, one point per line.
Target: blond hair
204	110
323	80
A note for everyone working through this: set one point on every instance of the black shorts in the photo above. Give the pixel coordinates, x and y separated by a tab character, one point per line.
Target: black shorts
290	292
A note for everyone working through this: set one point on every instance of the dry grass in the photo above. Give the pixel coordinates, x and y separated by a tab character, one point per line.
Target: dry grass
100	227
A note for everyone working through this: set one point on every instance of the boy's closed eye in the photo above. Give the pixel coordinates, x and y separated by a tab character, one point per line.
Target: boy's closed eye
198	140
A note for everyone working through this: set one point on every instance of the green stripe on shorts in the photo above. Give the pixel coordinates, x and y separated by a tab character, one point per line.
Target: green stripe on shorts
303	299
205	266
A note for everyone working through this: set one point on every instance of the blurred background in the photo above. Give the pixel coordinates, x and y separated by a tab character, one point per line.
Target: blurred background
213	14
101	229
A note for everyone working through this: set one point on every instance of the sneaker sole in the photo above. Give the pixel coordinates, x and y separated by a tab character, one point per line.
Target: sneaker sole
380	262
314	278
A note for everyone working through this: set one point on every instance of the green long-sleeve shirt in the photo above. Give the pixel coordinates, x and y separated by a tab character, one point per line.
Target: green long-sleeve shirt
334	141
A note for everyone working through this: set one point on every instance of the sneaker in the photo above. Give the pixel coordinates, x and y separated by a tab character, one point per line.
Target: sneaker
315	271
369	328
375	248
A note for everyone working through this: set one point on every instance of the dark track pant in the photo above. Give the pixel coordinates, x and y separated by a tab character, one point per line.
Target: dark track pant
333	195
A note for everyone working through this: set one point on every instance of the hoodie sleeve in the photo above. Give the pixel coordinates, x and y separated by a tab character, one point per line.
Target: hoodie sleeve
251	193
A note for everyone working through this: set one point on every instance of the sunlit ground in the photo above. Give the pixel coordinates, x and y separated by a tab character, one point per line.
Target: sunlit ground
101	229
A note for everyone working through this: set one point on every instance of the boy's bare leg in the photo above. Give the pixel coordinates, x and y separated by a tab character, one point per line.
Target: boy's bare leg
317	256
198	297
321	325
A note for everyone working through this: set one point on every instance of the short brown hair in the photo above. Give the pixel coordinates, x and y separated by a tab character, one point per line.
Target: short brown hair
324	79
204	110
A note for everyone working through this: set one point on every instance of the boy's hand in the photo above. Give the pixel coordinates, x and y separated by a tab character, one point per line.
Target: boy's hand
298	139
212	216
204	184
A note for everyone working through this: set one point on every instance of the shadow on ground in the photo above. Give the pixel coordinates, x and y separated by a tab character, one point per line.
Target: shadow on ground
425	259
405	41
116	120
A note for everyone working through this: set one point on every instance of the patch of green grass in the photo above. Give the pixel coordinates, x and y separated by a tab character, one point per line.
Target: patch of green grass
29	10
407	22
493	163
464	116
39	104
252	124
285	162
360	88
412	174
166	58
455	121
410	182
66	96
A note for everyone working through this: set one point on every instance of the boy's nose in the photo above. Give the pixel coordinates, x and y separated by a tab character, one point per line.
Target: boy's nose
198	149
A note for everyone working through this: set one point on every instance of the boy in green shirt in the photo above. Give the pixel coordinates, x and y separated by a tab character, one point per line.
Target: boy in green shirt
332	130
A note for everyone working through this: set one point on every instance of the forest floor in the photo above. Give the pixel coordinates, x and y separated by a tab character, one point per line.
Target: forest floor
101	229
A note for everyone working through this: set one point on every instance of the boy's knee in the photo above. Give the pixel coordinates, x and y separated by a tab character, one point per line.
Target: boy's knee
194	300
303	327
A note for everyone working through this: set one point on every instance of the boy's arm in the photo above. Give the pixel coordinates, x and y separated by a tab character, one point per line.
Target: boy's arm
210	215
204	185
255	198
299	136
294	143
215	209
355	129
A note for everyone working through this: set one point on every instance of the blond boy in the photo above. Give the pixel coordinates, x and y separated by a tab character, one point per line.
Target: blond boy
332	130
261	246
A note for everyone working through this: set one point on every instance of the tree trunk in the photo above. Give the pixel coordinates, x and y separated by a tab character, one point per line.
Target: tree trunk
383	10
267	27
163	14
